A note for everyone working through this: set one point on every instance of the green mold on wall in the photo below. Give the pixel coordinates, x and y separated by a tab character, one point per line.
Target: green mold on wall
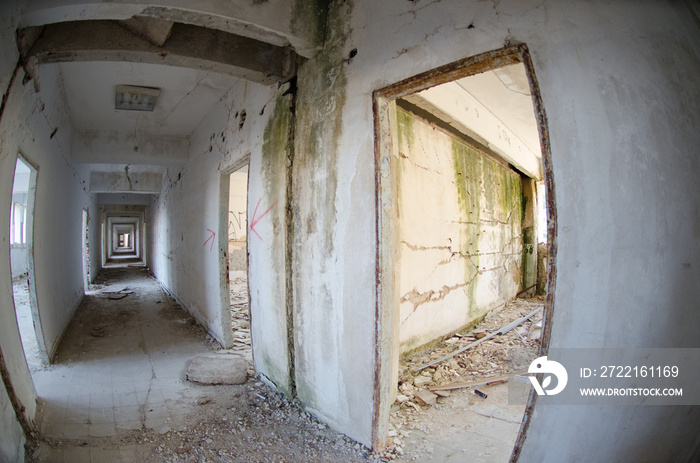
322	96
310	15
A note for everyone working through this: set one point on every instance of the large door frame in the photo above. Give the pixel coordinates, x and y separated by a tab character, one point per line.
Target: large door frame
387	305
224	284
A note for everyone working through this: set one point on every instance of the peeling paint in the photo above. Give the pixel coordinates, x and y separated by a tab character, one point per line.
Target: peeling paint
460	219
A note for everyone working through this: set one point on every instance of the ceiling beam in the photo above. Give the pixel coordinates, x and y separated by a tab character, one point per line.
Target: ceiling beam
186	46
125	182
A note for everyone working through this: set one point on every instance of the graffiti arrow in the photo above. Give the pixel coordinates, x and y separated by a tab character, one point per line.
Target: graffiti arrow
210	238
255	221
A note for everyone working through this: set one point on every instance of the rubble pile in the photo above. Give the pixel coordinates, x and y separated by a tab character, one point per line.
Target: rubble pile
240	314
421	387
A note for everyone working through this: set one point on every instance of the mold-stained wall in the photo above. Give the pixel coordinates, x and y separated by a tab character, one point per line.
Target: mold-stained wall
460	215
622	124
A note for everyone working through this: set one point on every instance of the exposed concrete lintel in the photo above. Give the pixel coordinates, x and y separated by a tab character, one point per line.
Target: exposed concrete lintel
186	46
125	182
225	16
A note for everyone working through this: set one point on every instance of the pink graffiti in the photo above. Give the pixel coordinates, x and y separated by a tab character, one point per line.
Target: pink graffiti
255	221
210	238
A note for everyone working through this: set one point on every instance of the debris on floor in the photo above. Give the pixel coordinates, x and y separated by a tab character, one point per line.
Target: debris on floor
125	396
218	369
460	364
251	423
240	314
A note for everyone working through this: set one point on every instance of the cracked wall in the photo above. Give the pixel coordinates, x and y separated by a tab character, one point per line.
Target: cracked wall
460	215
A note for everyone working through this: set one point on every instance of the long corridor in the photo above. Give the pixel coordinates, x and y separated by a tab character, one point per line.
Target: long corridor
121	364
118	391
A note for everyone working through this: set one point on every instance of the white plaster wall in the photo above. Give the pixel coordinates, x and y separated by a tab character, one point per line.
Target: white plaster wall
11	435
617	85
28	121
183	257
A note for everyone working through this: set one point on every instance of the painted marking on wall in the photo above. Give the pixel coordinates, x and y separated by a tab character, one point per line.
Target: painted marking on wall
211	246
255	221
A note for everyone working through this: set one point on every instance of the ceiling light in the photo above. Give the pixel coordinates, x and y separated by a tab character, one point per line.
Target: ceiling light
133	98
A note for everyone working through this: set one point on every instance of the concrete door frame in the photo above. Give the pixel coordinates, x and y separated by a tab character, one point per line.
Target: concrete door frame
31	278
387	310
135	220
224	283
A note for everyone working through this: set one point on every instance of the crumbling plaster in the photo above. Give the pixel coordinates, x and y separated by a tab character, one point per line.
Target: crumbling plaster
612	83
623	128
459	220
280	22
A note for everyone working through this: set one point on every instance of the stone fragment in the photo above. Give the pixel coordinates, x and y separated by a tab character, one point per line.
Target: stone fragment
422	380
400	398
426	397
220	369
442	393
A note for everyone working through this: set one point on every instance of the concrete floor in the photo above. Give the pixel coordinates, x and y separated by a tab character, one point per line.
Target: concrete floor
117	392
121	364
466	428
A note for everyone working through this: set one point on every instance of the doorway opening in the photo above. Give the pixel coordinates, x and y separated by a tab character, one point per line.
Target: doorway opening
234	202
460	152
22	263
123	236
86	250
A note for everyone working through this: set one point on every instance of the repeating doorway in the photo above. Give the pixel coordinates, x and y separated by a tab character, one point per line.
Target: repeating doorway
235	200
22	263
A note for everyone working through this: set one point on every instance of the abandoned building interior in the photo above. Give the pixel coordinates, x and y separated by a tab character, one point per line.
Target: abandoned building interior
325	187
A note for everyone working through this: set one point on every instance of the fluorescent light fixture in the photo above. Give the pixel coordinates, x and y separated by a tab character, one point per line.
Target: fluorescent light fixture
133	98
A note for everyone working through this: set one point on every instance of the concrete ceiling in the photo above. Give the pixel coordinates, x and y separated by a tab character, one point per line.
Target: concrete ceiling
506	93
186	96
495	109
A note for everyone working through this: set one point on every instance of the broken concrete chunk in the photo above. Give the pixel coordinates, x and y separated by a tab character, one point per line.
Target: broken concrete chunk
220	369
426	398
422	380
442	393
400	398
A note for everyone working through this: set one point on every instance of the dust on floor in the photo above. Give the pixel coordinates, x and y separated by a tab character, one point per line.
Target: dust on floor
118	392
240	313
459	425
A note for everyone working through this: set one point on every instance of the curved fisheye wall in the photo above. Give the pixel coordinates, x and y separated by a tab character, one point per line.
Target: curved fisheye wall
622	121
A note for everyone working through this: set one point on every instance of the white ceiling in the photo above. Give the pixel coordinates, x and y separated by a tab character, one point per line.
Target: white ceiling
186	96
506	93
495	109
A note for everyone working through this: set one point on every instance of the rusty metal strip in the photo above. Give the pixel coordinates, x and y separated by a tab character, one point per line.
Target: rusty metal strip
453	71
543	129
